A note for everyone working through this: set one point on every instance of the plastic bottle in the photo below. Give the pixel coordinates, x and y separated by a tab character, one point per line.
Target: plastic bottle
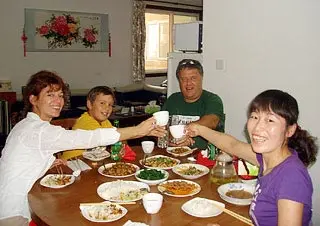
116	148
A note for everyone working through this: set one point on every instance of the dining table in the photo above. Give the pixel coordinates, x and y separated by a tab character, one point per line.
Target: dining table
59	207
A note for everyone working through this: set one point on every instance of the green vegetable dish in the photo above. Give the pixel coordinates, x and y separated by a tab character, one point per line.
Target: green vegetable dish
151	174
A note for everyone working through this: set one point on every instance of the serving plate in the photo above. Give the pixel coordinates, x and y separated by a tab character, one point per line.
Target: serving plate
160	162
57	180
96	154
190	171
179	188
122	191
203	208
179	151
109	165
152	182
223	189
106	212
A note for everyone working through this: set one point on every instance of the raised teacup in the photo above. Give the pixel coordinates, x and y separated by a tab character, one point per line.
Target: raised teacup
162	117
177	131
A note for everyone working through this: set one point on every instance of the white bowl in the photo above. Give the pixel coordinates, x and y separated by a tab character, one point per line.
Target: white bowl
162	117
177	170
177	131
223	189
152	182
152	202
147	146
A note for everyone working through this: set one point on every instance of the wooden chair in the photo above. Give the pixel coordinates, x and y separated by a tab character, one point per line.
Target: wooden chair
66	123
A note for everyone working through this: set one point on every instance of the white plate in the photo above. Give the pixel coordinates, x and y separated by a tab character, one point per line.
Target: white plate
112	190
160	156
203	208
152	182
96	155
101	169
193	192
223	189
50	180
177	170
188	151
102	210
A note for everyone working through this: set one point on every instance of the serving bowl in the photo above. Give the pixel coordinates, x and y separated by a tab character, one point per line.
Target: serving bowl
223	189
151	181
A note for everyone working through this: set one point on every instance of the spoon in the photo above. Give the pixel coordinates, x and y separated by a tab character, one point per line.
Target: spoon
76	173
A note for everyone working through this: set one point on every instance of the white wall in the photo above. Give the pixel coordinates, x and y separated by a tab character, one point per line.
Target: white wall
81	70
266	44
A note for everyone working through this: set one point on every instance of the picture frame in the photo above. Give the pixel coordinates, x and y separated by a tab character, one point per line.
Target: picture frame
66	31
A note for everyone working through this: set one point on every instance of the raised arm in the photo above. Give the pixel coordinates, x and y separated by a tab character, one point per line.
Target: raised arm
224	142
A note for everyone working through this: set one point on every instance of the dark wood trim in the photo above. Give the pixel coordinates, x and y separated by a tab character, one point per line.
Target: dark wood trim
200	12
154	75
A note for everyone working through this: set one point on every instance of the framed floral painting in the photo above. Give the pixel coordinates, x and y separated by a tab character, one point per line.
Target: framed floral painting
48	30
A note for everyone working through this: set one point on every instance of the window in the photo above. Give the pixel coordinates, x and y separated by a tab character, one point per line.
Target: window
159	36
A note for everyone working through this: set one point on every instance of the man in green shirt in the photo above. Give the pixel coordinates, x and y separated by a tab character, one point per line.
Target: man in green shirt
193	104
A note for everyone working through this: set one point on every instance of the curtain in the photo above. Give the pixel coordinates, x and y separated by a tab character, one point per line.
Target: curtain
138	40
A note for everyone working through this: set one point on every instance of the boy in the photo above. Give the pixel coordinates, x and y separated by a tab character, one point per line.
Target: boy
100	100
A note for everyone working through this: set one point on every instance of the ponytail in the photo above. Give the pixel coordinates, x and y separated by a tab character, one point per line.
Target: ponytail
305	145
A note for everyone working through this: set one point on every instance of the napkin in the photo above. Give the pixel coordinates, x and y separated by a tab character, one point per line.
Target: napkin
203	160
131	223
129	154
78	165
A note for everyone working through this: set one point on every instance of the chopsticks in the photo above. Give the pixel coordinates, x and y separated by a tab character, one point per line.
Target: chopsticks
235	215
59	171
106	203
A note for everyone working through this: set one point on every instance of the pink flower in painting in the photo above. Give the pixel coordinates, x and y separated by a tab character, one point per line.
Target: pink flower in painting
44	29
60	25
89	37
88	34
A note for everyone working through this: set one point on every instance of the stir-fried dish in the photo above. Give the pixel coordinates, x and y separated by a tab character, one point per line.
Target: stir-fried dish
179	187
179	150
239	194
191	170
161	162
58	180
120	169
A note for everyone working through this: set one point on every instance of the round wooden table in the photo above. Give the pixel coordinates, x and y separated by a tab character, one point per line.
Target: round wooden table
61	206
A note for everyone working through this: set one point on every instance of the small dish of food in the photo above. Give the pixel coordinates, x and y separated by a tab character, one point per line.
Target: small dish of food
118	170
57	180
179	151
104	212
160	162
203	208
152	176
237	193
190	171
179	188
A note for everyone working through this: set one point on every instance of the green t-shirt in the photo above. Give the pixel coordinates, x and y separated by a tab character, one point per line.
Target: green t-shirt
182	112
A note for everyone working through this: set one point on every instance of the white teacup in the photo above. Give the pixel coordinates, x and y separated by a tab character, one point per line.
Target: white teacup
162	117
177	131
152	202
147	146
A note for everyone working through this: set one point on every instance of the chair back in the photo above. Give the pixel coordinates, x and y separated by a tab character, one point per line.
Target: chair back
66	123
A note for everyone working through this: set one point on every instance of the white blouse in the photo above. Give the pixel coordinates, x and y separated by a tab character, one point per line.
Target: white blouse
28	154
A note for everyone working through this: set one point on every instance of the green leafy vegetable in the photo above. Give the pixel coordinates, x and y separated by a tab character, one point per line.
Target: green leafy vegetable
151	174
